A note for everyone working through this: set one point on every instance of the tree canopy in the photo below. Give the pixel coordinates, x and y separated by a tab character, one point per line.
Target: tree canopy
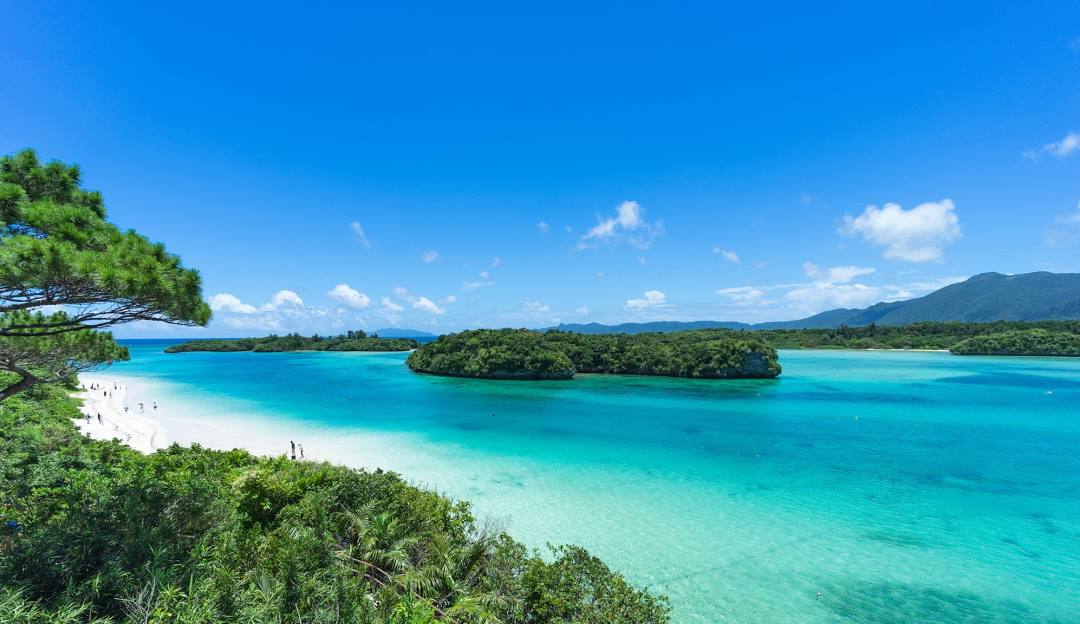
66	271
57	250
349	341
525	354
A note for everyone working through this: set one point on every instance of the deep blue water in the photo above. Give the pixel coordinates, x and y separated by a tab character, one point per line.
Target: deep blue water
902	487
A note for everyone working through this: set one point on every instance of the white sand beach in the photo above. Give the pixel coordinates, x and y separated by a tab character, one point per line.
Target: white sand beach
165	418
110	415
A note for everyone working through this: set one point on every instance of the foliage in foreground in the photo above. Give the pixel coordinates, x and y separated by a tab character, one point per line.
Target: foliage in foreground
1021	342
97	532
525	354
350	341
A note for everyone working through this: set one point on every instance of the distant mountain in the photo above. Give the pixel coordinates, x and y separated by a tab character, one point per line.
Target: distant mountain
1040	296
985	297
398	332
640	328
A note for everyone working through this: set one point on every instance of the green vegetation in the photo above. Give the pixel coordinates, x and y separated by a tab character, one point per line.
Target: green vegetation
928	335
1021	342
524	354
188	535
350	341
95	532
57	250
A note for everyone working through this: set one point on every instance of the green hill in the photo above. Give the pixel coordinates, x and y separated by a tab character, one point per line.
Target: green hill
983	298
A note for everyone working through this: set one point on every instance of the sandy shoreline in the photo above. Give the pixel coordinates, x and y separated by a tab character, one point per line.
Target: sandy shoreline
163	420
110	415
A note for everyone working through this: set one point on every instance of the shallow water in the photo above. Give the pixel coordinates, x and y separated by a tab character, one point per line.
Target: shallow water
857	487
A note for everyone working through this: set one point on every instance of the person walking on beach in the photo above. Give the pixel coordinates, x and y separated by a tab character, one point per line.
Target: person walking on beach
155	406
301	450
100	422
292	447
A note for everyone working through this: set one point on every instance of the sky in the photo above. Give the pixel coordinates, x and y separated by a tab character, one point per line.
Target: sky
452	165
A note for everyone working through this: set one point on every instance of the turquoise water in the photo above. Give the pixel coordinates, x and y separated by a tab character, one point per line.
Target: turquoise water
904	487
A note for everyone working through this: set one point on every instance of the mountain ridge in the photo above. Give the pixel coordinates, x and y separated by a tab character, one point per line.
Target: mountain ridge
1036	296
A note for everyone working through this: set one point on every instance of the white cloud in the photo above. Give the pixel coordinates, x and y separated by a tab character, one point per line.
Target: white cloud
483	274
810	269
843	274
746	296
825	295
652	298
450	299
475	285
351	297
915	235
253	323
389	306
286	297
582	311
426	305
628	225
496	262
535	306
728	255
1059	149
542	227
430	256
418	303
1063	236
361	236
226	302
1070	218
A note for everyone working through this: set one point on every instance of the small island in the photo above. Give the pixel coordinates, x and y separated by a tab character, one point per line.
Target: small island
960	338
349	341
1021	342
530	355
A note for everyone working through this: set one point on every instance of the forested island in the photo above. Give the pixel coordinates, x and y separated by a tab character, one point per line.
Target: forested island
525	354
1038	337
1021	342
349	341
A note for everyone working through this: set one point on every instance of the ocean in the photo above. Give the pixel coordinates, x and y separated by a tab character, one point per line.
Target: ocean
856	487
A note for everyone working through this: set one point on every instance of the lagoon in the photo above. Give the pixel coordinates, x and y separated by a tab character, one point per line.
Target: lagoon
856	487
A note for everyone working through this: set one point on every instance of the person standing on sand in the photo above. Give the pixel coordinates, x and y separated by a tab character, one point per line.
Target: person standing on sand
100	422
301	450
292	447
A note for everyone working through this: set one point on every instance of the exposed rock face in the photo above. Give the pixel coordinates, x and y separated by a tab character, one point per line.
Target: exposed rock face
758	364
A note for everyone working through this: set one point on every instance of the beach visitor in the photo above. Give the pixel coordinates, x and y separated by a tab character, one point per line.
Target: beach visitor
301	450
292	447
100	422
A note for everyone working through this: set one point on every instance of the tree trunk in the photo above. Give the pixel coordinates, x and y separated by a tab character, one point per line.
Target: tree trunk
25	383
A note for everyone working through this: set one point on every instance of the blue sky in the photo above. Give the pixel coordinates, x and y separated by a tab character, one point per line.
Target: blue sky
441	167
